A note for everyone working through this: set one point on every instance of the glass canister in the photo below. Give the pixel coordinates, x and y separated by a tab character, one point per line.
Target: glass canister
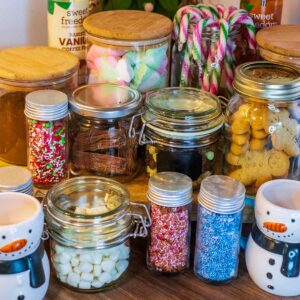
280	44
170	201
99	126
23	70
262	127
16	179
90	222
220	205
47	126
182	129
129	48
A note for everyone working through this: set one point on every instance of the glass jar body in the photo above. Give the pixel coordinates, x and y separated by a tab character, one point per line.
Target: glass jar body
89	270
217	246
12	118
142	65
169	239
47	150
102	147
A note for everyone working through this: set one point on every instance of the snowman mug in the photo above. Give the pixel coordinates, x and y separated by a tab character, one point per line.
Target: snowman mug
273	249
24	265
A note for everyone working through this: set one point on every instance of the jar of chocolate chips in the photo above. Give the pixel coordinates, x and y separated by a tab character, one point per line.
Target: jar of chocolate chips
181	130
99	125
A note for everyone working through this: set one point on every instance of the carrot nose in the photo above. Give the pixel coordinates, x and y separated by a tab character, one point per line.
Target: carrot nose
276	227
14	246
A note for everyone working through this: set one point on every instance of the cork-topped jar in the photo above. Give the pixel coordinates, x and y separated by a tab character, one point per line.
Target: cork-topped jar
129	48
23	70
280	44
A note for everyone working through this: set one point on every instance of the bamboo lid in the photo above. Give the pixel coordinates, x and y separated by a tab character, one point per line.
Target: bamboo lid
128	25
282	39
36	63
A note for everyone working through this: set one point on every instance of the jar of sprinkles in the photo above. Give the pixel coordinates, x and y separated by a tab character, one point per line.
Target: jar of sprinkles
221	200
46	112
170	197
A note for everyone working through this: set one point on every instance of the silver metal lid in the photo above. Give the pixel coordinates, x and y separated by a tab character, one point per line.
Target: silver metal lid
266	80
222	194
46	105
105	101
15	179
170	189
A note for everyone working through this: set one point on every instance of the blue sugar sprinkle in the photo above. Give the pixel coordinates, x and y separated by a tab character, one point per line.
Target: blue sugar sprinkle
217	245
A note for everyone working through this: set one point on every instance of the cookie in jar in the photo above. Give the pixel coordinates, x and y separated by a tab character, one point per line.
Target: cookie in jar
262	129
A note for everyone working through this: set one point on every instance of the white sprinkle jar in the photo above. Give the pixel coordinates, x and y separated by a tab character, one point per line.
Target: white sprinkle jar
90	222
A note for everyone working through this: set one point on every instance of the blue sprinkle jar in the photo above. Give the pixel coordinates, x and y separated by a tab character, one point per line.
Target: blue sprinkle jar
220	205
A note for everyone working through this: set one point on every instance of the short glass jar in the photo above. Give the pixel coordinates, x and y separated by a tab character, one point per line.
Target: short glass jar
99	125
182	129
90	222
23	70
129	48
47	127
220	205
170	201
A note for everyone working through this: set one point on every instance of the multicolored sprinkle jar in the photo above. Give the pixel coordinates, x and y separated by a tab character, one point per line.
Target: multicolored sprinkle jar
46	112
170	196
221	201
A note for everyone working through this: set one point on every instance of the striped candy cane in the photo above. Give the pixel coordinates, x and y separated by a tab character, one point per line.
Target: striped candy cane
186	63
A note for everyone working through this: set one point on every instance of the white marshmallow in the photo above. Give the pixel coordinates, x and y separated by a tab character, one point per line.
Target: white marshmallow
97	258
122	265
64	269
84	285
63	278
113	272
76	270
107	265
74	277
125	251
59	249
56	258
97	270
74	262
87	277
85	267
85	258
97	283
114	256
105	277
65	257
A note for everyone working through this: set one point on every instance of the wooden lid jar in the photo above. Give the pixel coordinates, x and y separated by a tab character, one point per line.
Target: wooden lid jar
280	44
129	48
23	70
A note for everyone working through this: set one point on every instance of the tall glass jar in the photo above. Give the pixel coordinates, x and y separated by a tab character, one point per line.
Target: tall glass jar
170	200
221	201
129	48
23	70
90	222
182	129
47	126
262	127
99	126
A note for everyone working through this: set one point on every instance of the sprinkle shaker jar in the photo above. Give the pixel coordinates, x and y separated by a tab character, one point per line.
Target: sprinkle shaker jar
47	125
129	48
170	201
99	131
90	221
220	204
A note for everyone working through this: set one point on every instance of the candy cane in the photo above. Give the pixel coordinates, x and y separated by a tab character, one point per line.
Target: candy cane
186	63
229	64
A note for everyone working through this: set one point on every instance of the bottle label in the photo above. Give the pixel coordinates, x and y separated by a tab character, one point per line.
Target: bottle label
265	13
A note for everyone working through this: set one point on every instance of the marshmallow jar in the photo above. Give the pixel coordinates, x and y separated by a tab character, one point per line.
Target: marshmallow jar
90	224
129	48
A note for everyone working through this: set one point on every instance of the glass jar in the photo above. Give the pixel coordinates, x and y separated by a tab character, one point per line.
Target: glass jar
282	49
262	126
90	222
129	48
47	126
220	205
170	200
210	73
182	129
99	125
16	179
23	70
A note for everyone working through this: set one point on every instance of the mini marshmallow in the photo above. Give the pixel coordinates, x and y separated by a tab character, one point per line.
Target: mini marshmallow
85	258
107	265
97	258
114	256
76	270
105	277
74	262
59	249
113	272
84	285
97	283
97	270
122	265
65	257
64	269
63	278
72	283
87	277
85	267
74	277
124	252
56	258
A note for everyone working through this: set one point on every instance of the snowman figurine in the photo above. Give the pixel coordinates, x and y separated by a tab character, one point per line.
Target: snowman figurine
273	249
24	266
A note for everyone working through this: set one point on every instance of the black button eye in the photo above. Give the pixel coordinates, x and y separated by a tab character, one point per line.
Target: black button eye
268	212
21	297
3	237
30	230
293	220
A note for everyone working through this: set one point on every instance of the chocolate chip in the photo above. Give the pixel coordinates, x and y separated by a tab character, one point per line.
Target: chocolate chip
272	261
269	275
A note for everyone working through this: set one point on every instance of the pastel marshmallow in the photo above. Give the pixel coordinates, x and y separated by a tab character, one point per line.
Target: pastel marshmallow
125	71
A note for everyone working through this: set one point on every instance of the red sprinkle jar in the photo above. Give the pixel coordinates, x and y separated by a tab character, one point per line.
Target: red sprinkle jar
170	198
47	125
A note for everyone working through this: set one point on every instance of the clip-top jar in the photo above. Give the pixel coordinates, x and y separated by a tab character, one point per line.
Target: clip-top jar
90	221
128	47
182	128
23	70
47	125
170	201
221	200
